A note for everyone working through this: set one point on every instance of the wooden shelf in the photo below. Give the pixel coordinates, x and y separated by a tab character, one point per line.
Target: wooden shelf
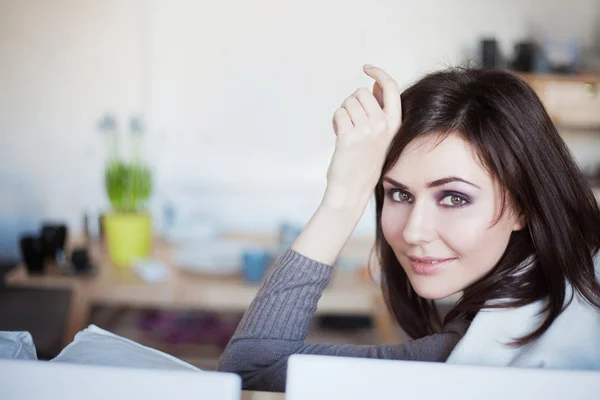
584	77
573	101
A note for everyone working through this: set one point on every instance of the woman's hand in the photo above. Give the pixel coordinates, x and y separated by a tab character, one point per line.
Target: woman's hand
364	125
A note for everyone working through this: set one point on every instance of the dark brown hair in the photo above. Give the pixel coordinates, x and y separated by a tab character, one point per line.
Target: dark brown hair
515	139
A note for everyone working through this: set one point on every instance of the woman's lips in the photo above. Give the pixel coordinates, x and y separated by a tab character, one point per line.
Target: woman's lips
428	265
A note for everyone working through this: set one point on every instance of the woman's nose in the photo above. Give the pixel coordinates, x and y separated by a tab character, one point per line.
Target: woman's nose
419	226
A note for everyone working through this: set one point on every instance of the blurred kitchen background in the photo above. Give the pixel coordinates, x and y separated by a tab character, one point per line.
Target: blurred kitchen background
227	105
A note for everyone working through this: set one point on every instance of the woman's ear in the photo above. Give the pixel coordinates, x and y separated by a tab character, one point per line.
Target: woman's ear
520	222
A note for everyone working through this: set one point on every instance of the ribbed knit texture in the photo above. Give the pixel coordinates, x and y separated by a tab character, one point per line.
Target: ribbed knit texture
288	299
276	323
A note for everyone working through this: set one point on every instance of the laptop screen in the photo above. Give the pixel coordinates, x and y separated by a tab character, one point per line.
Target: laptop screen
325	378
25	379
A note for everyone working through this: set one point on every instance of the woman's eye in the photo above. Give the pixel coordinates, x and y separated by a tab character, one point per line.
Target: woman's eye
398	196
453	200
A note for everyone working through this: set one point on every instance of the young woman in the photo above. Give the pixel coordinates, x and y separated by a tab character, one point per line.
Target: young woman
475	193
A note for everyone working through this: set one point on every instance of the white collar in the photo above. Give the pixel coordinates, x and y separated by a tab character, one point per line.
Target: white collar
571	342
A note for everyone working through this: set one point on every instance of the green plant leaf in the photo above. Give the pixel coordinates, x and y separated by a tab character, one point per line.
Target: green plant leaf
128	186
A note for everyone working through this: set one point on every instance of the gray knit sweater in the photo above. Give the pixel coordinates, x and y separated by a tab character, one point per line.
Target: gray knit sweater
276	323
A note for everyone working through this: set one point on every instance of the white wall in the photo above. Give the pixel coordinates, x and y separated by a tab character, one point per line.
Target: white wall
63	63
238	95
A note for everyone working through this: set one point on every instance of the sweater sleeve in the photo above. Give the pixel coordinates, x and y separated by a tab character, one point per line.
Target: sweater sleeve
276	324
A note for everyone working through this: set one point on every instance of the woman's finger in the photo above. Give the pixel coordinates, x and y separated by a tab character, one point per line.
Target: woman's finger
389	87
355	111
341	121
368	102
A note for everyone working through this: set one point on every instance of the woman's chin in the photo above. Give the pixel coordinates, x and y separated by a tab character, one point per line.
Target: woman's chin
430	291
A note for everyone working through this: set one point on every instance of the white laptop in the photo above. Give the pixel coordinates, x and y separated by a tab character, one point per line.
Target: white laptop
326	378
25	379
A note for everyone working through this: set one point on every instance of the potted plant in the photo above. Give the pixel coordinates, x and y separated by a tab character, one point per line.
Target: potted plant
128	226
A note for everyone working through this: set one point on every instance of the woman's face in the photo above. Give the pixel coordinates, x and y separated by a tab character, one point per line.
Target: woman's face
438	216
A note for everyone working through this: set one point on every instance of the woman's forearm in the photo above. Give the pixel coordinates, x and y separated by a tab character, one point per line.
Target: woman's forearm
323	238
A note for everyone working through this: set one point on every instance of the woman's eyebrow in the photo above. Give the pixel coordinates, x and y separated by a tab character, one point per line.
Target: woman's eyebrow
436	183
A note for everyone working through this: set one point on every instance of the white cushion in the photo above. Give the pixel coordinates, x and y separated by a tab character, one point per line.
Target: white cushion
96	346
17	345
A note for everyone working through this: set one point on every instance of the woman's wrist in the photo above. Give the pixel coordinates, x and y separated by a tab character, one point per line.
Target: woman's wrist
325	235
345	201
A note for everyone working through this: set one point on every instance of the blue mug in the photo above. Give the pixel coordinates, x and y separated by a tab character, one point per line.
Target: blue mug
255	263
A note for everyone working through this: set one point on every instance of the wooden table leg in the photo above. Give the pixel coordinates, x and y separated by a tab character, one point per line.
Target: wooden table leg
79	313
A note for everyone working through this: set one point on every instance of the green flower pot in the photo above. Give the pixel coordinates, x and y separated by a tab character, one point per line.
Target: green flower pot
128	236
